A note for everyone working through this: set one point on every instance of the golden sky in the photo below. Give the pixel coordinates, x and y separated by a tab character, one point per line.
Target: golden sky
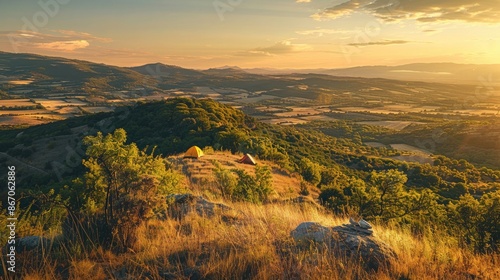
255	33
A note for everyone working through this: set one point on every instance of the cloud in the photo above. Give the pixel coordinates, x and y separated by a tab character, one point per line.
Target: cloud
486	11
67	46
56	40
322	31
303	1
380	43
282	47
83	35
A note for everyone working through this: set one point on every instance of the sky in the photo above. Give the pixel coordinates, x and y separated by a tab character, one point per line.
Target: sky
296	34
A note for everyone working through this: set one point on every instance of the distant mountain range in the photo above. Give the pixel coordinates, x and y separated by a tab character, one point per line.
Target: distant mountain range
69	75
428	72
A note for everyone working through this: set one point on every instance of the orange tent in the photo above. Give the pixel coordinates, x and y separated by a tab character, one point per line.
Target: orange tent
247	159
193	152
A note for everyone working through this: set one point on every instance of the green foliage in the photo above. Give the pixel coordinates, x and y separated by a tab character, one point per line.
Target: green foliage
333	197
332	176
266	149
382	197
123	185
304	188
477	222
255	189
387	191
225	180
352	177
37	213
311	172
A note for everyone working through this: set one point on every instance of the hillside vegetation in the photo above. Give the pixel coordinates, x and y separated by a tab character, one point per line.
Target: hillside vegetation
107	211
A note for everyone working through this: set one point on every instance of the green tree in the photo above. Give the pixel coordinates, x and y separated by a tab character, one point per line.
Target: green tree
311	172
466	214
123	185
490	225
384	197
389	192
477	222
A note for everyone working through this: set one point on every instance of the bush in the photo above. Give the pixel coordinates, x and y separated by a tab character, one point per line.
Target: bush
304	189
256	188
311	172
122	188
225	180
477	222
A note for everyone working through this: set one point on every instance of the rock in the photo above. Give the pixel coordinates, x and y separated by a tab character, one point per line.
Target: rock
311	231
364	224
184	204
30	243
347	240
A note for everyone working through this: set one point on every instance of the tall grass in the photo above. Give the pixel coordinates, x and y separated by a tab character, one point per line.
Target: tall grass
253	242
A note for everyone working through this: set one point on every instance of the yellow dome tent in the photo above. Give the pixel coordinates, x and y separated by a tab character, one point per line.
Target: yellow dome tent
248	159
193	152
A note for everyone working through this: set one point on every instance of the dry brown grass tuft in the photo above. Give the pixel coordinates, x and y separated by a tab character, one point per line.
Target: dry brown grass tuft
258	246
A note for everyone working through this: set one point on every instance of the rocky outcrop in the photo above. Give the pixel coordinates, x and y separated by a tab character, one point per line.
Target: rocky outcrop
183	204
348	240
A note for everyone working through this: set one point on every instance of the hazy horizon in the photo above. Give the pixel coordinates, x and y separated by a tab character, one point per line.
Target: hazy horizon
283	34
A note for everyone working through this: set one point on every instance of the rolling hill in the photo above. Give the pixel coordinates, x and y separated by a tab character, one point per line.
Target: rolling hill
40	72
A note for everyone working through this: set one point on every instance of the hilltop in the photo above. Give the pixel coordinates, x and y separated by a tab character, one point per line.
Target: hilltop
423	212
67	76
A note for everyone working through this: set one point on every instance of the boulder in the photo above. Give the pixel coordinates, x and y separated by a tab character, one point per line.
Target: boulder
311	231
183	204
347	240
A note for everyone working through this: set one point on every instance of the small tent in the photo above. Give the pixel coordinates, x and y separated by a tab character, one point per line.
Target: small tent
193	152
247	159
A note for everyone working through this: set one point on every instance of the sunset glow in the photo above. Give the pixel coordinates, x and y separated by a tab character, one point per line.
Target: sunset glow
278	34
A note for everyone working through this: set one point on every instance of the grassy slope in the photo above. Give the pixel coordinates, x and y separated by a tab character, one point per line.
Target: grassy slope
259	247
199	171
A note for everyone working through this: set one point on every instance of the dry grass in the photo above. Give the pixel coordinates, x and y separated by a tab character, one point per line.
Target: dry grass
200	172
256	245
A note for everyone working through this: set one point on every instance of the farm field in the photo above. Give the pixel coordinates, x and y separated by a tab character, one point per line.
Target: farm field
396	125
409	148
22	112
9	103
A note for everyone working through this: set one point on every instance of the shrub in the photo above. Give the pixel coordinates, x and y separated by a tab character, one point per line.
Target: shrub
311	172
123	187
225	180
256	188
